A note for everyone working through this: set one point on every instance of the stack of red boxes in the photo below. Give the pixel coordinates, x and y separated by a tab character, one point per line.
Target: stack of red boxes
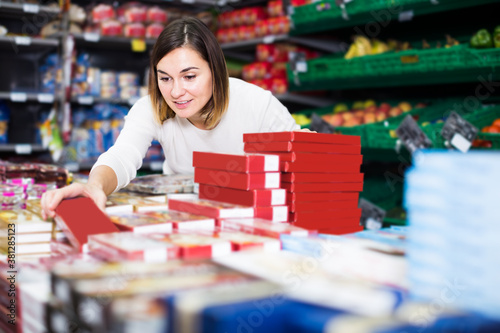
249	180
321	173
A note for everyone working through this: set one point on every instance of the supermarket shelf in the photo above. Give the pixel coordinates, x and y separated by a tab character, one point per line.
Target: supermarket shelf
326	15
15	42
253	42
79	166
22	148
90	100
19	9
413	67
306	100
21	97
106	42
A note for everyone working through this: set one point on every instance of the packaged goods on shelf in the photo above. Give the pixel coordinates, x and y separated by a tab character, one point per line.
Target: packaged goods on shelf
162	184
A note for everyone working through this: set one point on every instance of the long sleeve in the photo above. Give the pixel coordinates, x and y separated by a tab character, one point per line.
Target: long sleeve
126	155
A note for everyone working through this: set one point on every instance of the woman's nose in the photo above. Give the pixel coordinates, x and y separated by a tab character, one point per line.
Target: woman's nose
177	89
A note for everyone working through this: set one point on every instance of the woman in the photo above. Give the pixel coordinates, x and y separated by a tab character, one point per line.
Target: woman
192	106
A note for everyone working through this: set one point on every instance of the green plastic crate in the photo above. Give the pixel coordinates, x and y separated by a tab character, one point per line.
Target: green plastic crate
382	193
383	135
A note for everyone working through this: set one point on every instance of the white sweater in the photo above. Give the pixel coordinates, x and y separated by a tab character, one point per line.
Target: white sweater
251	110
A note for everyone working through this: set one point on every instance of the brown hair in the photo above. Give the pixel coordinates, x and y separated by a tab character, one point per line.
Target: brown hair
193	33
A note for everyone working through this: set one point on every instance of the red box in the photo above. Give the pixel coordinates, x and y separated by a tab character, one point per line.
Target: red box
328	224
237	180
131	246
264	197
320	158
263	227
236	163
210	208
303	137
243	241
196	245
341	230
322	187
319	205
320	196
306	147
80	218
318	177
272	213
320	167
332	214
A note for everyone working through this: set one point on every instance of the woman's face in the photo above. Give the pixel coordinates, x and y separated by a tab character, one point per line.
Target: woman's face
185	82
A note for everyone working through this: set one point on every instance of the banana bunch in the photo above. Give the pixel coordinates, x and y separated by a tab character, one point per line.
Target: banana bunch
361	46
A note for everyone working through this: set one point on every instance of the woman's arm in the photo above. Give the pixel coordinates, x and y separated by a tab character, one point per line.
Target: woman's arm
101	183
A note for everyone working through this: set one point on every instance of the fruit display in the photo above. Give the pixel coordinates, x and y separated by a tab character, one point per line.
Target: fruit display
366	112
492	130
482	39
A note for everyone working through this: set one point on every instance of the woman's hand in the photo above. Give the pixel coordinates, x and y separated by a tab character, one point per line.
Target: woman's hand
51	199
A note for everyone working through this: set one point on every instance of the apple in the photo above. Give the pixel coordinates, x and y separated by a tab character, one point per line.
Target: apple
496	122
359	113
358	105
371	108
492	129
347	115
326	117
380	116
385	107
405	106
395	111
352	122
369	117
369	102
341	107
336	120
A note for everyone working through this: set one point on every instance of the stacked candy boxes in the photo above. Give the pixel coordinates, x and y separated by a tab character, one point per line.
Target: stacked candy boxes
321	174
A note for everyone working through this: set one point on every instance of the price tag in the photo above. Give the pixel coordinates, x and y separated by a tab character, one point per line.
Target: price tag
31	8
23	149
268	39
458	132
156	165
91	37
86	100
319	125
412	136
405	16
298	62
138	45
22	40
19	97
45	98
372	216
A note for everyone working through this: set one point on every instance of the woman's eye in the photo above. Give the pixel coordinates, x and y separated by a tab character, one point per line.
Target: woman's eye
190	77
165	79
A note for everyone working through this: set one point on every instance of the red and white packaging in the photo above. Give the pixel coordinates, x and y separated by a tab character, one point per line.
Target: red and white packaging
194	246
135	13
134	30
342	230
210	208
304	166
131	246
320	205
252	15
237	180
154	30
258	197
279	85
140	223
102	12
157	15
264	227
79	218
261	28
323	187
275	8
324	215
244	241
328	224
294	136
182	221
319	158
272	213
236	162
320	196
111	28
317	177
298	147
